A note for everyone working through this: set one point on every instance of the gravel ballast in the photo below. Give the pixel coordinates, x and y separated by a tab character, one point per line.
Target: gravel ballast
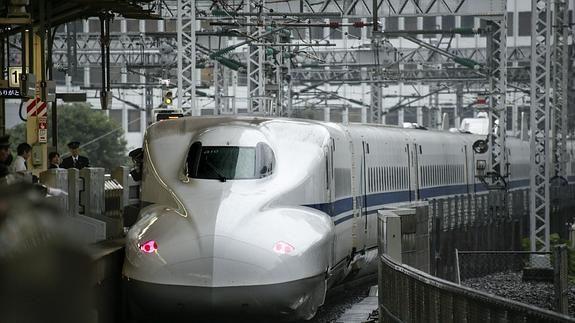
510	285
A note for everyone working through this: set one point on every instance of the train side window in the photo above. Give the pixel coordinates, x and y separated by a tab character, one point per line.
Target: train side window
382	170
375	178
379	179
443	175
385	179
403	178
369	180
265	160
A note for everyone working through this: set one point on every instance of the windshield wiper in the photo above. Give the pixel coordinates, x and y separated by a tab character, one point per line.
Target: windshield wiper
221	177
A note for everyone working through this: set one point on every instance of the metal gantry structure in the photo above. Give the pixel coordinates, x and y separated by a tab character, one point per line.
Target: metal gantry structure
549	80
560	70
494	72
256	78
541	26
187	75
283	74
497	74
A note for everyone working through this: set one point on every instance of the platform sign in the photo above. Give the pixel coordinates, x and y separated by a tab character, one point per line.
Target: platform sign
43	129
10	92
14	73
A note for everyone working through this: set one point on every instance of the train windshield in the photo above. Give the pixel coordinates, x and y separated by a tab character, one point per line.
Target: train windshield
230	162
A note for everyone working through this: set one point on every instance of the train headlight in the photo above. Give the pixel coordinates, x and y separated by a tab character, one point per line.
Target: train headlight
149	247
283	248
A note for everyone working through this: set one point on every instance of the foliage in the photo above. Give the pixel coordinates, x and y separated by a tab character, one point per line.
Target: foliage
555	240
102	139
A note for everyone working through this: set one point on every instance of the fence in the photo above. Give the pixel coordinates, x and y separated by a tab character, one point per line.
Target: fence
472	264
474	222
409	295
94	201
493	221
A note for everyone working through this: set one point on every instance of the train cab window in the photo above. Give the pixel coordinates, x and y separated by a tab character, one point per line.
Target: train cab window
230	162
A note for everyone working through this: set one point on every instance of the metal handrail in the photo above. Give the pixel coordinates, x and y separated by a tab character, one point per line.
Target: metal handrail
495	304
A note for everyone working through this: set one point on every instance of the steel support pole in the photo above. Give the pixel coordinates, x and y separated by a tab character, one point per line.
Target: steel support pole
497	65
560	63
220	89
376	103
220	76
540	101
256	59
186	56
458	105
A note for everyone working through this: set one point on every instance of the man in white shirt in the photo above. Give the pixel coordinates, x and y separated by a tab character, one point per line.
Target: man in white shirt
24	152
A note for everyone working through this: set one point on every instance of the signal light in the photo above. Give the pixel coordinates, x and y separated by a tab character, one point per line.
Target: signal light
149	247
168	98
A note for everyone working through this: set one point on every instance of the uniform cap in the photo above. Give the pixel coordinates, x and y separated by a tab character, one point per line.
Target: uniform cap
74	144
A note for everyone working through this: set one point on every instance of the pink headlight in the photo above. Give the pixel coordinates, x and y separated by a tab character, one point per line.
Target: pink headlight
149	247
283	248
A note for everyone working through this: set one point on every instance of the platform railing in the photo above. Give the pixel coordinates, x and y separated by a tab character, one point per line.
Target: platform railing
410	295
94	201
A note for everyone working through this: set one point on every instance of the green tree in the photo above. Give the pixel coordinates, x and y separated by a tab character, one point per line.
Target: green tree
102	139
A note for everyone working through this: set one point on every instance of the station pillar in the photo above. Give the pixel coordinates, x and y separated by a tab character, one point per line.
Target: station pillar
35	58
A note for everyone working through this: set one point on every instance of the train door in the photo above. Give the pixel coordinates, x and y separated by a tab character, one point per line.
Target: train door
329	176
365	152
413	166
466	170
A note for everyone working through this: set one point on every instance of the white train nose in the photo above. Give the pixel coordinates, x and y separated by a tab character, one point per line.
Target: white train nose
222	261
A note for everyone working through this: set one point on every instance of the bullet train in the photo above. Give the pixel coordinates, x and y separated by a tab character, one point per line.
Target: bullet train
263	215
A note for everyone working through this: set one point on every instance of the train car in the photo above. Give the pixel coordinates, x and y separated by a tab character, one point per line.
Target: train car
261	215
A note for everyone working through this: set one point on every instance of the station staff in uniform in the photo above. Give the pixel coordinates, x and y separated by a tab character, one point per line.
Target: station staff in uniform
75	161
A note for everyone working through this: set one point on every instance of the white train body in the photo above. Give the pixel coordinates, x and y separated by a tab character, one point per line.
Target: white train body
274	239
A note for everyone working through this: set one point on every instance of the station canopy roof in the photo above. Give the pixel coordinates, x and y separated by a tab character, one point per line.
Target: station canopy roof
63	11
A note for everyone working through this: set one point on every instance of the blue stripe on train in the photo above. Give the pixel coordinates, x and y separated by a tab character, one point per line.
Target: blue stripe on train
341	206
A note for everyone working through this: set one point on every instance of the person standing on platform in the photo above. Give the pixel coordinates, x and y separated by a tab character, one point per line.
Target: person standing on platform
4	156
24	151
54	160
75	161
